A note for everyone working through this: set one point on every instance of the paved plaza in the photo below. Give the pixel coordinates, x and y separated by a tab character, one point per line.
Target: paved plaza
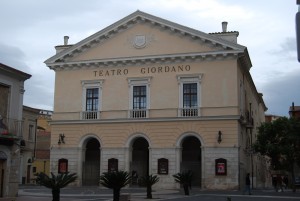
38	193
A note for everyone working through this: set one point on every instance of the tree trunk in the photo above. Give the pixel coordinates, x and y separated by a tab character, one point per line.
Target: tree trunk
186	189
116	194
149	192
293	178
56	194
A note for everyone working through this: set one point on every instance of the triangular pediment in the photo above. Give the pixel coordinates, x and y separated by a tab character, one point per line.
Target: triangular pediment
143	37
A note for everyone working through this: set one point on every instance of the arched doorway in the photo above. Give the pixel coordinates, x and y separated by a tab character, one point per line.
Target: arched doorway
3	159
140	159
91	163
191	158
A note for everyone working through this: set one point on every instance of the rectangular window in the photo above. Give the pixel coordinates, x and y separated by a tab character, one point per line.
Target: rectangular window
190	95
4	100
92	99
139	97
92	103
190	100
30	133
139	94
139	101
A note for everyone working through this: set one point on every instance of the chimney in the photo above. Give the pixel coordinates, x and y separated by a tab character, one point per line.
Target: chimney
224	26
60	48
66	38
230	36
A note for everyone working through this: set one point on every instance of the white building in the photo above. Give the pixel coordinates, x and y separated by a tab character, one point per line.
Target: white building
11	129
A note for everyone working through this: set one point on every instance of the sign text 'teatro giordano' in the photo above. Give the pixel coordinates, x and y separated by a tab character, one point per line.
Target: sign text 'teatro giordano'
147	70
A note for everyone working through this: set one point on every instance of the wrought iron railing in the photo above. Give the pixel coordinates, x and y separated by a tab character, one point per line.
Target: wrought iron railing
12	127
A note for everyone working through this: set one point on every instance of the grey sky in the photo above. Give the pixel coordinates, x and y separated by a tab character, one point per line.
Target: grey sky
30	29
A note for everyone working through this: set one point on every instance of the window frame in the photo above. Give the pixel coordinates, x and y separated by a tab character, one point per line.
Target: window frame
93	99
89	84
190	95
31	132
139	81
189	79
141	96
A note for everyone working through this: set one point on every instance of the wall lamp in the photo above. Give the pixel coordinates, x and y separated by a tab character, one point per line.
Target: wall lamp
61	138
219	137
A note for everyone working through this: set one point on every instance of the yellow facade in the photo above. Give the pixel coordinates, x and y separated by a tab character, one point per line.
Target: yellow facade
41	161
145	89
42	166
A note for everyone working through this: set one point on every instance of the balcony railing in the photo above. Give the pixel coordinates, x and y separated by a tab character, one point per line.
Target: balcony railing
90	115
189	112
11	127
193	112
247	120
138	113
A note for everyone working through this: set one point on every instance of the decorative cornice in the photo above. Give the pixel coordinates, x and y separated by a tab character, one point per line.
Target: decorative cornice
100	121
133	61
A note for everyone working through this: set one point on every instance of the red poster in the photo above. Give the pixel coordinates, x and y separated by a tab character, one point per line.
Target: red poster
63	167
221	168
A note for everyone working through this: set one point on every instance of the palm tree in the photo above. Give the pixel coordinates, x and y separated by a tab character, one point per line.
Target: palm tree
149	181
115	180
55	182
184	178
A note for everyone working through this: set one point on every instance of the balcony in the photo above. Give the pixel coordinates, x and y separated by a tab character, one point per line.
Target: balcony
247	120
10	130
189	112
89	115
138	113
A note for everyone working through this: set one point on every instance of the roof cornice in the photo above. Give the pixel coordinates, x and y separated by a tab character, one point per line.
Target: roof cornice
14	72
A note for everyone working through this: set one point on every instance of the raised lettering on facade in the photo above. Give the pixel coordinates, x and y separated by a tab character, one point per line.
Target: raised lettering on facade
147	70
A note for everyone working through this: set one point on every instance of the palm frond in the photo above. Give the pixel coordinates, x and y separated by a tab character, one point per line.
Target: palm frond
117	179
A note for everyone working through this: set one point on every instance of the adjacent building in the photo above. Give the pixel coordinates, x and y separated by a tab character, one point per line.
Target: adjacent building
41	161
270	117
294	111
150	96
11	128
30	116
35	144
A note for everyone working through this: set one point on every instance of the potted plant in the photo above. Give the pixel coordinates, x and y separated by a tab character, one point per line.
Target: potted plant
115	180
55	182
184	178
149	181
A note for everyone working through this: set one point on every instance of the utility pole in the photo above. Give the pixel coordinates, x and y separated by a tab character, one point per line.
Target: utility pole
298	30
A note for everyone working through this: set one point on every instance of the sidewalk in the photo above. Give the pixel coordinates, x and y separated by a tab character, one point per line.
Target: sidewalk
38	193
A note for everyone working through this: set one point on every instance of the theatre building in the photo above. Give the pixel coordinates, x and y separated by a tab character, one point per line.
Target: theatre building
150	96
